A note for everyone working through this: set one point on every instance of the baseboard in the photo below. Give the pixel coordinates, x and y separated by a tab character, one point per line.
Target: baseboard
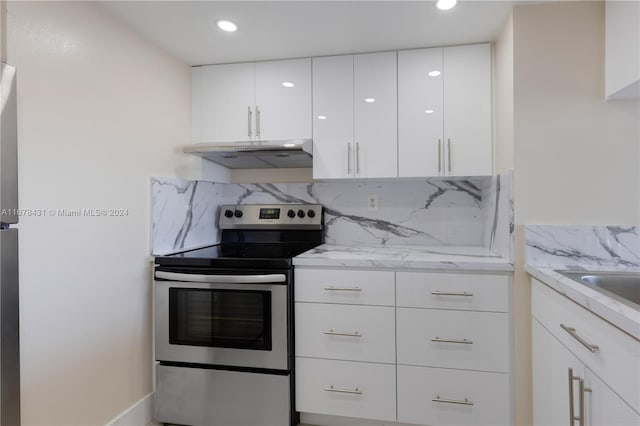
139	414
309	419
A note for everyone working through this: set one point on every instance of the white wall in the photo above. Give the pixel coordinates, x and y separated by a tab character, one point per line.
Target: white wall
100	111
503	56
576	156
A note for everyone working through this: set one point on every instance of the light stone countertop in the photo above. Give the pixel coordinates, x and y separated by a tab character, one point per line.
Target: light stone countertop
405	257
619	314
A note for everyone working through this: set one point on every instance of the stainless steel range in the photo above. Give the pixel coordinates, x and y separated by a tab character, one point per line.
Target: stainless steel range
224	320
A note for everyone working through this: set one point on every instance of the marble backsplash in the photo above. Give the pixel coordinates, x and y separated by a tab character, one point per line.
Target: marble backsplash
557	246
428	212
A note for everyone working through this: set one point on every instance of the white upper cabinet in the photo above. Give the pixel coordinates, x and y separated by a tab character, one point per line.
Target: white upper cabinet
283	99
622	52
420	113
252	101
333	117
227	102
375	124
467	110
354	116
445	111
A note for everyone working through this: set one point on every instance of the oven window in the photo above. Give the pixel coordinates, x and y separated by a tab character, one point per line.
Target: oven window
220	318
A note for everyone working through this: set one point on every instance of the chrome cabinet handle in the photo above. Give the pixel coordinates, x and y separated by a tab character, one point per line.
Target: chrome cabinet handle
451	293
257	122
452	401
439	156
463	341
357	158
581	390
348	158
249	114
231	279
572	333
355	391
343	288
449	152
571	410
341	333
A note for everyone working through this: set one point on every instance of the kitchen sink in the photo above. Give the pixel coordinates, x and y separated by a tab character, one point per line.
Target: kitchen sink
622	286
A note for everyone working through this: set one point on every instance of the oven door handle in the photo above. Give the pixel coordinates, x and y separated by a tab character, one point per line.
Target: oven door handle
232	279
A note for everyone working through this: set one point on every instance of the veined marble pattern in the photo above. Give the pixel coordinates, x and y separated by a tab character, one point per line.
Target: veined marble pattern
582	246
183	214
498	215
426	212
405	257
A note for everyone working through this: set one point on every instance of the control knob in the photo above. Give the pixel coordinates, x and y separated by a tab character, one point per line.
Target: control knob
291	214
238	213
228	213
311	213
300	213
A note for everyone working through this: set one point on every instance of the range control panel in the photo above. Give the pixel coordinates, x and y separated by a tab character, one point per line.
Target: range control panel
271	216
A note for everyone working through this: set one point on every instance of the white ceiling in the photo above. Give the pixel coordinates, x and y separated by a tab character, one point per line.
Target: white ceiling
291	29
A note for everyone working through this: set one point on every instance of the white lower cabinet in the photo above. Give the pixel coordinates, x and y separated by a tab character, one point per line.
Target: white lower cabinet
573	385
440	396
445	335
453	339
344	388
358	333
559	379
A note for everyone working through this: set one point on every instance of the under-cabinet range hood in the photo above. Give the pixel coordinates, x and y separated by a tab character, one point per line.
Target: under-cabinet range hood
256	155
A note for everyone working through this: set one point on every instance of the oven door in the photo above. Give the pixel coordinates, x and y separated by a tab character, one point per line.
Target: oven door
222	320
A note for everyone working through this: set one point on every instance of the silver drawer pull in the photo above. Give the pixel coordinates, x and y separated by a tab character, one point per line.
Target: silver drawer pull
572	332
451	293
452	401
463	341
343	288
355	391
340	333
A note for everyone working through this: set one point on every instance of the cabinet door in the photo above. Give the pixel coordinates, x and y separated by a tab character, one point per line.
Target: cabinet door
467	110
453	339
228	100
604	407
551	384
283	99
346	388
442	396
333	146
356	333
375	124
420	113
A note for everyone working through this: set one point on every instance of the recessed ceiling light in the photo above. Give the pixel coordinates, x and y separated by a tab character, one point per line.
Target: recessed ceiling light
322	117
288	84
369	100
228	26
289	145
433	73
429	111
446	4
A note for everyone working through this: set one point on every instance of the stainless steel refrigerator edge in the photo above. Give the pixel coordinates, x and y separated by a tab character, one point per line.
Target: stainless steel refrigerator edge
9	299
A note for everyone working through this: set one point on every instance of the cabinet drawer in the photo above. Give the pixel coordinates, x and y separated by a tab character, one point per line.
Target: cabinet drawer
368	390
483	397
453	339
617	359
469	292
364	333
345	286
